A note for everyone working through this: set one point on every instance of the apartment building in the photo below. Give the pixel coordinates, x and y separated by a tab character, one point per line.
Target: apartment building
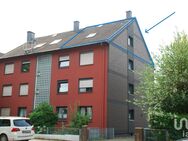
90	69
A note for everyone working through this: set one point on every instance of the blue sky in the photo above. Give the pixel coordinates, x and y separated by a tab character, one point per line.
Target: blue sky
45	17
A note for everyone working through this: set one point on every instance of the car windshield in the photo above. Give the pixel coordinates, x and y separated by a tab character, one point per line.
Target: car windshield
22	122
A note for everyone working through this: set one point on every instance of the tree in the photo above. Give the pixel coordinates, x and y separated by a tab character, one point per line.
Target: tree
163	92
43	116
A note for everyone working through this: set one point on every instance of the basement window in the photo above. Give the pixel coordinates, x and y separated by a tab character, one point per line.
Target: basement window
22	111
85	85
91	35
55	41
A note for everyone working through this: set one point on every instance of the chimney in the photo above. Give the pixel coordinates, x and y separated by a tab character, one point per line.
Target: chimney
76	26
128	14
30	37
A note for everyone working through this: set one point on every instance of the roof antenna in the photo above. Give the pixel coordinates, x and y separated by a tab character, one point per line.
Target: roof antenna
147	30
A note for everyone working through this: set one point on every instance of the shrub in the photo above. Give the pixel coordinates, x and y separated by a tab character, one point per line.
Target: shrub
163	120
43	116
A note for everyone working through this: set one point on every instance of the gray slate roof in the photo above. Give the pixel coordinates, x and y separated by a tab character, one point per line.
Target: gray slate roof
103	33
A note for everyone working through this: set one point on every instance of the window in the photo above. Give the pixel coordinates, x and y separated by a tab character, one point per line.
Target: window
24	89
55	41
62	112
131	89
22	111
63	86
131	114
130	41
5	111
86	58
25	66
9	68
86	111
64	61
91	35
131	65
7	90
85	85
4	122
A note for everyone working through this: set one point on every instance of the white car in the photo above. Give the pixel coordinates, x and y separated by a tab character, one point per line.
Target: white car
15	129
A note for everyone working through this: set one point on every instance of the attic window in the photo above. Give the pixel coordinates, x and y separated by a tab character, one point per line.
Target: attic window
55	41
54	35
91	35
39	45
100	25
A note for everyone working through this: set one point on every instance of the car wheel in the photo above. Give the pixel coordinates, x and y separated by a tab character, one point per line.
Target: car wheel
3	138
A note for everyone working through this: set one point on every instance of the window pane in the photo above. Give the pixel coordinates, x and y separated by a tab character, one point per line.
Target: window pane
62	112
7	90
22	112
130	41
64	64
86	58
131	89
25	66
131	114
9	68
24	89
63	86
130	65
5	111
64	61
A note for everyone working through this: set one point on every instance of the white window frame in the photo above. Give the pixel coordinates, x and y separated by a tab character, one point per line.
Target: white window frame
87	58
64	61
9	68
24	89
63	86
85	85
7	90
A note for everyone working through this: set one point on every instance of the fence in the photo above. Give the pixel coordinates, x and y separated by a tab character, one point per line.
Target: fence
146	134
155	135
99	134
57	131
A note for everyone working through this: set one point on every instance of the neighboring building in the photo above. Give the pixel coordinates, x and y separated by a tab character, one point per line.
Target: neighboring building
92	69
